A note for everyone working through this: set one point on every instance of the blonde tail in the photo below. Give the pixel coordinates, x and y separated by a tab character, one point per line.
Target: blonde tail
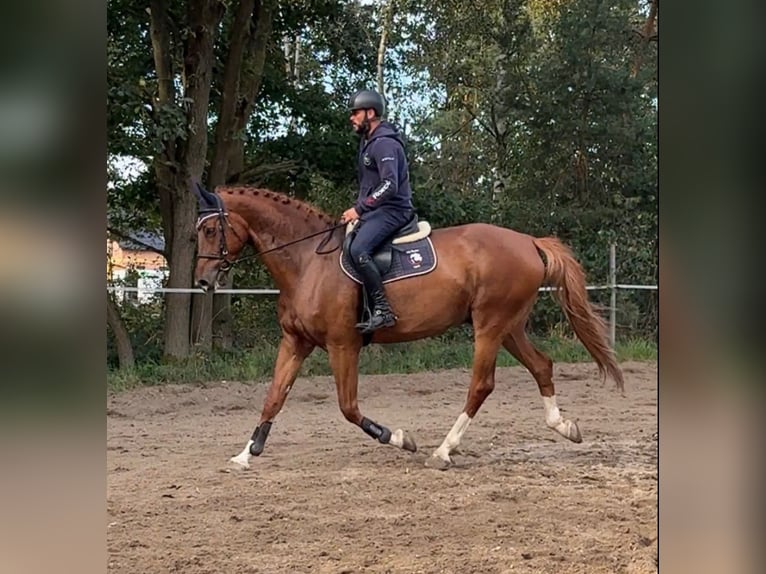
564	272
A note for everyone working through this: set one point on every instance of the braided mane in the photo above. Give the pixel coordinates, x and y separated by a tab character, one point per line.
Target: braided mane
299	205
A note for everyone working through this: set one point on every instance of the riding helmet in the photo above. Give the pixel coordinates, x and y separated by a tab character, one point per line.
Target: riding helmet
367	99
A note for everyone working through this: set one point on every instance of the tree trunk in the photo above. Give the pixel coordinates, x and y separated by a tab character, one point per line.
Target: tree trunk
225	133
388	18
202	321
181	159
252	77
181	262
166	167
292	57
204	19
164	163
647	35
121	337
223	335
246	62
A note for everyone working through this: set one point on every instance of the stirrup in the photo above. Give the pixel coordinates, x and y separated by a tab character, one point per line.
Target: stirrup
378	320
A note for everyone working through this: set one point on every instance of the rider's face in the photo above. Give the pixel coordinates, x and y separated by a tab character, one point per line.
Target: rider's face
358	122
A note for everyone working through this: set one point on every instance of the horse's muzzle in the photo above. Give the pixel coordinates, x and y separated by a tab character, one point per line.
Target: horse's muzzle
221	279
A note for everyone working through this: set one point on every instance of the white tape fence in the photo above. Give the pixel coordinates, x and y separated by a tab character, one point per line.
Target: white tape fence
146	291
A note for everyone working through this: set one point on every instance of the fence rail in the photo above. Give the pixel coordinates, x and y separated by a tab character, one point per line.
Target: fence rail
612	286
149	290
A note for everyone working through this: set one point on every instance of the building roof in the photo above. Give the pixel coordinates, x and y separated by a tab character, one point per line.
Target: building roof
144	238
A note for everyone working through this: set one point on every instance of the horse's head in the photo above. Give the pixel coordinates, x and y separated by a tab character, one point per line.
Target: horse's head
221	236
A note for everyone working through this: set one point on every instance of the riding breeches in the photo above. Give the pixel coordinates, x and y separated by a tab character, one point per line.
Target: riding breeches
373	230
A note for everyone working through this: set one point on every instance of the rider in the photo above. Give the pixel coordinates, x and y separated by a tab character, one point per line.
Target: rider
384	203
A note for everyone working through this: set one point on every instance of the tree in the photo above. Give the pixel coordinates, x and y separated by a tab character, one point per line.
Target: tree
387	18
162	109
121	336
182	93
541	99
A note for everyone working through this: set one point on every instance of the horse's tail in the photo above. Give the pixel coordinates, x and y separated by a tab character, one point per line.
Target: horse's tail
564	272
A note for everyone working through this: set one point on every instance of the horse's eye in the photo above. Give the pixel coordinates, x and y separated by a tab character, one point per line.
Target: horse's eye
210	232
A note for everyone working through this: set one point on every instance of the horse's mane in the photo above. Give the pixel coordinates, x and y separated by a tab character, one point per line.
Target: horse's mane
298	204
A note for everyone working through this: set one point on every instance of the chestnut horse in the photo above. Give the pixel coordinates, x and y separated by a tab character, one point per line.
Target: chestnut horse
486	275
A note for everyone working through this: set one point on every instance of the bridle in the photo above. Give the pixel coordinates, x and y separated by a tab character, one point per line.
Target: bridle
223	251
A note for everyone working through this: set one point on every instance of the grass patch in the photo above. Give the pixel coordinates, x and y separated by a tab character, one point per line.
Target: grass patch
417	356
636	350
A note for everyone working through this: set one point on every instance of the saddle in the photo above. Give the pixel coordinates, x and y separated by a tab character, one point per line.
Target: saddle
400	242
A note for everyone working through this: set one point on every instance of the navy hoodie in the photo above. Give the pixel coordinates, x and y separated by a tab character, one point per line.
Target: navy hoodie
384	177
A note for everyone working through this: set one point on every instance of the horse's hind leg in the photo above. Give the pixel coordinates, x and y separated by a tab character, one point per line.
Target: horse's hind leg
541	367
486	347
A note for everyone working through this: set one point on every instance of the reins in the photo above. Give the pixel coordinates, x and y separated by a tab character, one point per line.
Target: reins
226	265
322	243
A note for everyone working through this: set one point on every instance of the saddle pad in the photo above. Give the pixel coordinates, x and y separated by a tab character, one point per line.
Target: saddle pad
407	260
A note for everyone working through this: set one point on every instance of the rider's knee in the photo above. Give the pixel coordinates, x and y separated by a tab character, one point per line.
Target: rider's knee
364	258
359	254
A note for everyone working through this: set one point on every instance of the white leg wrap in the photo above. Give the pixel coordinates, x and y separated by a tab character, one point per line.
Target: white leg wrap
243	458
553	417
452	440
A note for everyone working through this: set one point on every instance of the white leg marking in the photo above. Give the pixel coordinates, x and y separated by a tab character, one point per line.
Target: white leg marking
554	419
397	438
243	458
452	439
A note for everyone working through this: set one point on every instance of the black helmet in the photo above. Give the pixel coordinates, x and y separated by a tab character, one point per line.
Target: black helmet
367	99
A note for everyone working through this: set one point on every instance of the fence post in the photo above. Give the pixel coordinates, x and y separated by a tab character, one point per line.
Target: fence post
613	298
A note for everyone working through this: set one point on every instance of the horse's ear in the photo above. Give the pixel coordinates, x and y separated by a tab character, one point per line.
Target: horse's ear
206	199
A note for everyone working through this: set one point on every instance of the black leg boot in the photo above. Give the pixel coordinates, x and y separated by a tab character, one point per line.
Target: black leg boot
382	314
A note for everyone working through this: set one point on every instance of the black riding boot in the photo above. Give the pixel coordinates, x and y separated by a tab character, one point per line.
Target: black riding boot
382	314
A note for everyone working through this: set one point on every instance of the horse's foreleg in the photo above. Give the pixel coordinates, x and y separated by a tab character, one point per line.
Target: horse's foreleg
482	384
344	361
541	367
292	352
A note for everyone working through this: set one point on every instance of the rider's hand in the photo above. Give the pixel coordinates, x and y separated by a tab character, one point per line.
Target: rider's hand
349	215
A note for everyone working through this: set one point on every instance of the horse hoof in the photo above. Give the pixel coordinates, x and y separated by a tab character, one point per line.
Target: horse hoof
239	463
573	432
437	463
408	443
